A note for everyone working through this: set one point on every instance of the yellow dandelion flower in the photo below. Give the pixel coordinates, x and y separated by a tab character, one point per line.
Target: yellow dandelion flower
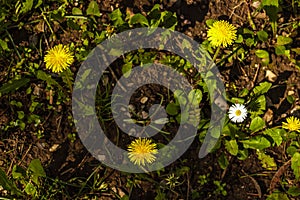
142	150
58	58
292	124
221	33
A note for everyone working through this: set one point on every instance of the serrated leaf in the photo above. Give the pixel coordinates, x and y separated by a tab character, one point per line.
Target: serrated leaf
262	35
13	85
262	88
267	161
282	40
258	142
93	9
295	164
257	124
275	134
232	147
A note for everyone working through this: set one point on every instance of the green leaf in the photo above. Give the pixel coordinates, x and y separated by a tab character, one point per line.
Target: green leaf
126	69
20	114
248	31
180	97
262	35
258	106
172	109
116	17
223	161
278	196
257	124
262	53
237	100
138	19
243	154
262	88
267	161
291	150
270	3
249	42
295	164
210	22
7	184
282	40
232	147
26	6
3	45
280	50
93	9
275	134
195	96
46	77
239	39
30	189
88	110
13	85
258	142
38	3
76	11
294	191
18	172
37	170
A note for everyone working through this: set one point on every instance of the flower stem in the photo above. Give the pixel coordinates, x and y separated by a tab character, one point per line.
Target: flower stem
216	53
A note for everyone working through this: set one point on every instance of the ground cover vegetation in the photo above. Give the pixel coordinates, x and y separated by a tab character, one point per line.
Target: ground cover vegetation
255	46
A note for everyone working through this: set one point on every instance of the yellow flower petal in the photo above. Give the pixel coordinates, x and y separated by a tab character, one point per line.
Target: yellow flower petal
221	33
58	58
142	151
292	124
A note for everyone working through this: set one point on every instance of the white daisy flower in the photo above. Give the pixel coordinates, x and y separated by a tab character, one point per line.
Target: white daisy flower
237	113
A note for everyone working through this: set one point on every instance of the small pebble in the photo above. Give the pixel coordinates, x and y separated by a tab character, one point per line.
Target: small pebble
54	147
144	100
270	76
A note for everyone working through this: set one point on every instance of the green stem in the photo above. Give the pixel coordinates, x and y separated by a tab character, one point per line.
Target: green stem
216	53
12	41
